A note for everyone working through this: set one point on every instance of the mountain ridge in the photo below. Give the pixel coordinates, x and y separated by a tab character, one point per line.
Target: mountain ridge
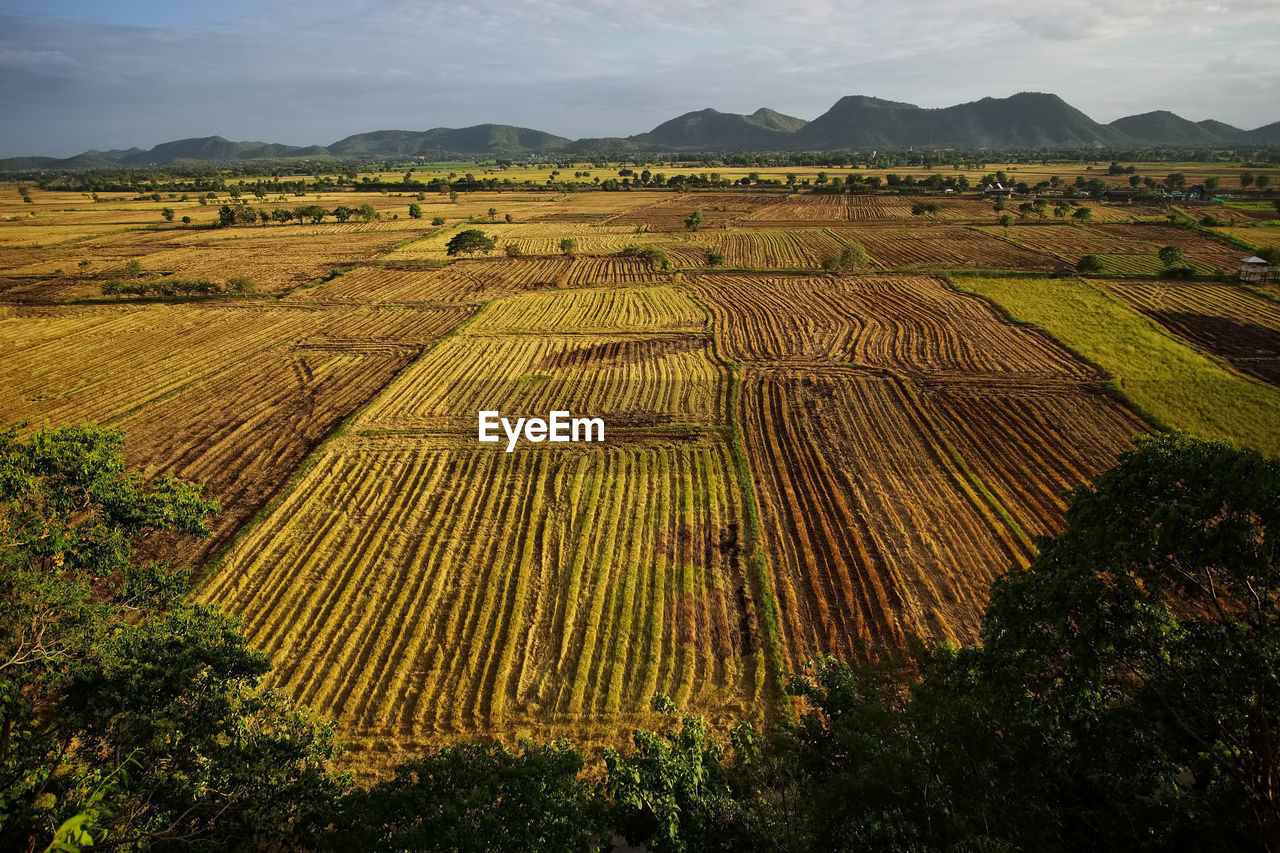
1022	120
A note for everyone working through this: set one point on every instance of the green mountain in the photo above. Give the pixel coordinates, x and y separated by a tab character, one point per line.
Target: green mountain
488	139
1027	119
214	149
1268	134
710	129
1162	127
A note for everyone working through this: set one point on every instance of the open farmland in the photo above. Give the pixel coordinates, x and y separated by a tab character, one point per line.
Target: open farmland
941	247
425	591
888	511
636	382
914	323
232	396
795	462
1223	319
478	281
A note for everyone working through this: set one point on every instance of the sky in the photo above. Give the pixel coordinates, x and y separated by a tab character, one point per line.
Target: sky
81	74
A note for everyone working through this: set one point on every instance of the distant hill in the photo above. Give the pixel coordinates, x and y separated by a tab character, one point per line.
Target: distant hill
215	149
1162	127
1028	119
480	139
1268	134
1222	130
710	129
1024	120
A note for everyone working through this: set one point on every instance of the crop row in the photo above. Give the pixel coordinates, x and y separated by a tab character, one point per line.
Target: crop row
887	516
913	323
412	590
635	381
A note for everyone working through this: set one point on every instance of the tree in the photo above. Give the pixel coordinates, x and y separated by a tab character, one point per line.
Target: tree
106	669
415	210
1170	256
693	221
1040	206
1262	181
1089	264
342	213
1148	633
714	259
453	196
368	212
1000	203
674	793
493	214
1212	183
1005	219
1082	214
437	220
1175	180
1246	179
475	797
925	208
1061	210
469	242
226	216
568	245
167	213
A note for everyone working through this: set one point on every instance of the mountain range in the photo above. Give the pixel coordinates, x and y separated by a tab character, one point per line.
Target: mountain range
1024	120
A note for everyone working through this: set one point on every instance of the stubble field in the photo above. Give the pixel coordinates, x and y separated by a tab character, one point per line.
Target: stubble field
796	463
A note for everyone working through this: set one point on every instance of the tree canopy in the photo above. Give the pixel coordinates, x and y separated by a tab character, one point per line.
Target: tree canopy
469	242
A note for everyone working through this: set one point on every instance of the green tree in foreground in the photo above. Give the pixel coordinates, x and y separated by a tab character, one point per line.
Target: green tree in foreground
477	797
693	221
415	210
130	718
469	242
568	245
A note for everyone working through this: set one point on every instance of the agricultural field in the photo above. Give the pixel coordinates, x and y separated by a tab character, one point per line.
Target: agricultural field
941	247
887	510
796	463
1175	384
233	396
910	323
429	590
477	280
1222	319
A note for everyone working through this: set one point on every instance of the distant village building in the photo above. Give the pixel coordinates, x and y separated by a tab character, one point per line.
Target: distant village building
1256	269
997	189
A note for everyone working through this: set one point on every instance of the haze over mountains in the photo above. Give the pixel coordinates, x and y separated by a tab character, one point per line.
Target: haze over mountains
1024	120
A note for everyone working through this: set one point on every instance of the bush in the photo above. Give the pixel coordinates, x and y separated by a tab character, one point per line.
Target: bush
512	250
851	259
437	220
656	258
1178	272
240	284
